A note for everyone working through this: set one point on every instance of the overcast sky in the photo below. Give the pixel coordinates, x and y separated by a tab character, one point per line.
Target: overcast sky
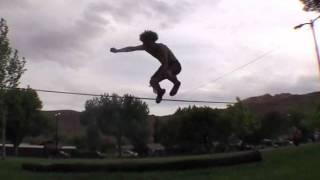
66	44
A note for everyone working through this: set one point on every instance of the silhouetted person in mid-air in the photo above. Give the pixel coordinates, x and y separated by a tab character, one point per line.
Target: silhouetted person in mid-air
170	66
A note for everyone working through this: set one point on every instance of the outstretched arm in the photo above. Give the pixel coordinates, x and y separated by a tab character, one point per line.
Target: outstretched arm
127	49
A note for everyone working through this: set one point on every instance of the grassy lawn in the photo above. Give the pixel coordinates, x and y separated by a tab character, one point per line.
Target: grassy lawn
289	163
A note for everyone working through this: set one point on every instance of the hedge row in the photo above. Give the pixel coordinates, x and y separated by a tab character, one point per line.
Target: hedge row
247	157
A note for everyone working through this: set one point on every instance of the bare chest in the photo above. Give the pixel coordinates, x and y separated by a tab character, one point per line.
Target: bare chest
156	52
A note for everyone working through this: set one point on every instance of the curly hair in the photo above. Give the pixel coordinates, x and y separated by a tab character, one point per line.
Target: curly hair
148	36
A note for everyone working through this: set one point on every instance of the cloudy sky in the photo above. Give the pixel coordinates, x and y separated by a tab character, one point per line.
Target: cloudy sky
66	44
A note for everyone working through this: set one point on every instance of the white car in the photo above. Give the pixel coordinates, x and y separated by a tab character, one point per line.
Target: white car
128	153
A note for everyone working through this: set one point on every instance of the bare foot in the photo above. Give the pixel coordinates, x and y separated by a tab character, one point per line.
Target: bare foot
175	89
159	96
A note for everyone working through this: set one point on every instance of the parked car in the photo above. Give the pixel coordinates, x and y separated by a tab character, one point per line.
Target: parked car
62	154
88	154
282	142
128	153
267	142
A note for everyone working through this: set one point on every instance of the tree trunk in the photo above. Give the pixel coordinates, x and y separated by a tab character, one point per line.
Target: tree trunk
4	124
207	143
119	146
16	150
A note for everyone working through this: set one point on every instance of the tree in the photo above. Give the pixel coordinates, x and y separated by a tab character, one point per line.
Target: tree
156	129
244	125
121	117
94	139
88	118
92	108
274	124
195	129
168	133
24	117
11	66
312	122
135	112
110	120
198	130
311	5
315	118
299	119
11	69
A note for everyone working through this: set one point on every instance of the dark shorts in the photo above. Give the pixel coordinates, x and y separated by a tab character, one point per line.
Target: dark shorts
160	75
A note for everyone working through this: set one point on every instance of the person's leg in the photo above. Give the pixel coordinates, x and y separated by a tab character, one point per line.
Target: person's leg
175	70
157	77
176	85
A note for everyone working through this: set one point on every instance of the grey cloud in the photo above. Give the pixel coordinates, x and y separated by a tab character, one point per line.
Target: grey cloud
62	43
303	84
72	37
5	4
125	11
69	44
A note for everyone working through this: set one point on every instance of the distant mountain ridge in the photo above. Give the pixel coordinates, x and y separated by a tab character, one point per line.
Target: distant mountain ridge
283	103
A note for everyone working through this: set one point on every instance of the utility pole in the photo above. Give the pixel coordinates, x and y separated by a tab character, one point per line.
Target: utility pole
311	23
57	132
4	124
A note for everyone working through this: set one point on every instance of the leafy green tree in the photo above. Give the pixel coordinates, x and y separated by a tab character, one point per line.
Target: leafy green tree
88	118
316	118
11	70
156	129
110	120
206	127
91	113
244	125
24	117
168	133
135	112
300	119
80	141
311	5
94	139
121	117
296	118
274	124
313	119
11	65
194	129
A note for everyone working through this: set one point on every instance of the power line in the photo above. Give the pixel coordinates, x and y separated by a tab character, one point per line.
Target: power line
243	66
142	98
236	69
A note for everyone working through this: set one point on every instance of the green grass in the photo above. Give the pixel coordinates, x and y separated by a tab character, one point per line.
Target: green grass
289	163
